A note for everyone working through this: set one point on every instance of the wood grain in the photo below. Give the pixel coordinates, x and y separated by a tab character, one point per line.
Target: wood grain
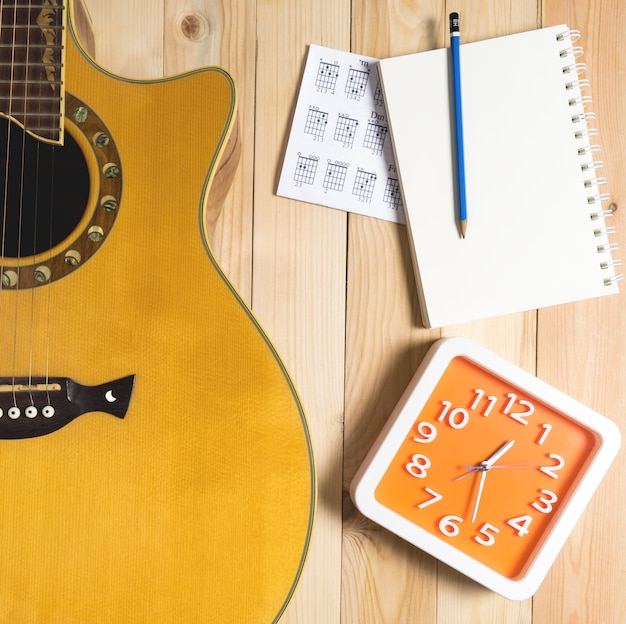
581	350
299	277
336	293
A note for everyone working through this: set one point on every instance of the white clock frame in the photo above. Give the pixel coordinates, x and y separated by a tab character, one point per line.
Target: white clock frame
402	420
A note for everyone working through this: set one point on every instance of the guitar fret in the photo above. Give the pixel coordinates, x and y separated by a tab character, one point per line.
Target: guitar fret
37	6
32	46
43	129
23	114
19	97
36	82
31	26
29	64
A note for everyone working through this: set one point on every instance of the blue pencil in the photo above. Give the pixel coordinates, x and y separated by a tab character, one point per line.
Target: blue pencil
455	44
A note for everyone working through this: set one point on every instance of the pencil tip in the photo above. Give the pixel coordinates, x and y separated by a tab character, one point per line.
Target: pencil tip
463	225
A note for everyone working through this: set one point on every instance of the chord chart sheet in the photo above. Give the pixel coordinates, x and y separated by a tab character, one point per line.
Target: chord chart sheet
339	152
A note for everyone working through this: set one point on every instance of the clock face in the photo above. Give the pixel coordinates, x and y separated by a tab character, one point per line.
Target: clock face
499	513
485	467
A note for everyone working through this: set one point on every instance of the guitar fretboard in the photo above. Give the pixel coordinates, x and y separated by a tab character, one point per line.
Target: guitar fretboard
31	81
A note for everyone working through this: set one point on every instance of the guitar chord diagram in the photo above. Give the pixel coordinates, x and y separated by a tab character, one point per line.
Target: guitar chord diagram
306	168
392	194
375	137
378	94
356	83
335	176
345	130
363	187
338	154
316	121
327	74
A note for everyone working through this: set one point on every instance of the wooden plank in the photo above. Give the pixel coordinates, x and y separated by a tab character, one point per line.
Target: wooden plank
380	280
384	579
129	36
194	35
582	347
299	277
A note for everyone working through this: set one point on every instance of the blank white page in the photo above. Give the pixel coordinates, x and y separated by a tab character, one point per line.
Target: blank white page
530	238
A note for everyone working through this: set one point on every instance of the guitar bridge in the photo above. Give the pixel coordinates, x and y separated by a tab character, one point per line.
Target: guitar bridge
34	407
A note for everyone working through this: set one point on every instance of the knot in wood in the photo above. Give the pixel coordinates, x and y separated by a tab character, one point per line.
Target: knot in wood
194	27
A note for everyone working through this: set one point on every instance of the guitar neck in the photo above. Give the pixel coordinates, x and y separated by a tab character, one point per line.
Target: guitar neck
32	42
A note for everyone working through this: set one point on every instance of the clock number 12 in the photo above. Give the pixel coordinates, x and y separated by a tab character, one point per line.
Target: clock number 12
520	416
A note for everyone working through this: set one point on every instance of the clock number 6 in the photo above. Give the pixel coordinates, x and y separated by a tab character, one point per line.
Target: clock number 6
418	466
449	527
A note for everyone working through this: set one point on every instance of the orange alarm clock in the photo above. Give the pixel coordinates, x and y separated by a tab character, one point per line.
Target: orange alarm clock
485	467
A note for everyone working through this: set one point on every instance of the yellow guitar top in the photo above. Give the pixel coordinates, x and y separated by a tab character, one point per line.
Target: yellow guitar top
155	458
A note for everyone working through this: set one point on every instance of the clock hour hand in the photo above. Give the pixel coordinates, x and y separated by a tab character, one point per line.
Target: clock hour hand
498	454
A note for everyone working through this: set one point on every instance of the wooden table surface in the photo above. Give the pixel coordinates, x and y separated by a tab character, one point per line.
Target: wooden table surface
336	292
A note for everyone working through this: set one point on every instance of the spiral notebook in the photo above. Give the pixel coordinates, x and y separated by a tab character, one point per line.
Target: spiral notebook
538	229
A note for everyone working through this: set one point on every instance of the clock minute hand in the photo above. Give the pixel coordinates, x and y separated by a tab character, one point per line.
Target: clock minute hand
481	484
484	467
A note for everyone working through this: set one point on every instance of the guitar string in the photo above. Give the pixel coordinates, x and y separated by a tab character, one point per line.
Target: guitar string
4	213
32	301
49	290
22	161
21	216
23	170
6	195
48	293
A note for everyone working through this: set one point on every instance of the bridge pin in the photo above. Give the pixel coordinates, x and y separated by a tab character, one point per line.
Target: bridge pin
30	411
48	411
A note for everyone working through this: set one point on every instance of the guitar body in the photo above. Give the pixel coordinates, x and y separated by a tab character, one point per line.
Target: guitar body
196	503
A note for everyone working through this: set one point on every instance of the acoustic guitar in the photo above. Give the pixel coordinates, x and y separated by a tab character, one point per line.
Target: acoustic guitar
155	458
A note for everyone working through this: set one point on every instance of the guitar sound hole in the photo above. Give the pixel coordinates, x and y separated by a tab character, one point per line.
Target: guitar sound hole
44	190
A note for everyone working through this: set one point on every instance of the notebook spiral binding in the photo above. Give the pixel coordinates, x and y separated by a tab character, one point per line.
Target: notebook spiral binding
574	86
